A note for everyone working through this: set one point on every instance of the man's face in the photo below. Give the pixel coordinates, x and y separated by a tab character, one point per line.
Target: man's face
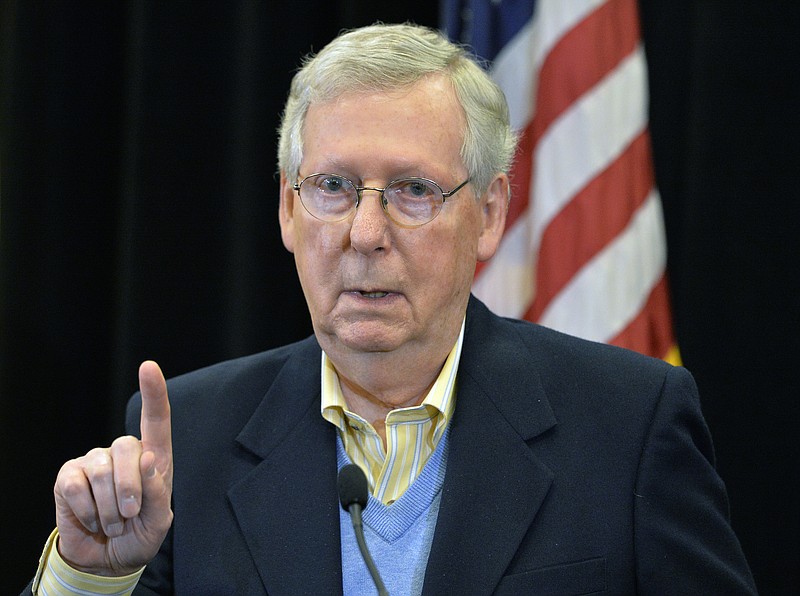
372	285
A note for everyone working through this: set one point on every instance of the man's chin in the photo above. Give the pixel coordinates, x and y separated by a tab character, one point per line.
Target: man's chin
369	337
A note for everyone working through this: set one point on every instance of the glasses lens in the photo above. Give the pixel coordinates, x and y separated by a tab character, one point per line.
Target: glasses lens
413	201
328	197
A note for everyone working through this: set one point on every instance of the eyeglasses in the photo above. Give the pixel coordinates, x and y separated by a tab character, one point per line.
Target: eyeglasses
408	201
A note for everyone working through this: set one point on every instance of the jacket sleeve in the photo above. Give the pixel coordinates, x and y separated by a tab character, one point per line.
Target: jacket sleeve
684	540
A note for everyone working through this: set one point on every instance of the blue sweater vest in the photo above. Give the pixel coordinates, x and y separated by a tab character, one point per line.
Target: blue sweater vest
399	535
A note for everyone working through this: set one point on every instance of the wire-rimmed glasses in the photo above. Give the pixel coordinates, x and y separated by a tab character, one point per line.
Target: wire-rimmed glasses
407	201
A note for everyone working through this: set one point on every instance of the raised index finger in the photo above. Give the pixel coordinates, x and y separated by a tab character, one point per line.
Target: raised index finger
156	427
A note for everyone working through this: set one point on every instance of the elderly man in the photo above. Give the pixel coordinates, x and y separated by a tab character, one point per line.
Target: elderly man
501	457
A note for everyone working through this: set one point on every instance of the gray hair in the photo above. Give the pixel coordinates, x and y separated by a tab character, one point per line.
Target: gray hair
390	57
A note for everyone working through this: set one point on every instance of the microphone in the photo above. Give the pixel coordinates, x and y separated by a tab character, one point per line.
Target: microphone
354	496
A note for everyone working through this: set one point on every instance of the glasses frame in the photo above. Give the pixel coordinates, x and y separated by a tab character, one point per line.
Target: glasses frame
384	202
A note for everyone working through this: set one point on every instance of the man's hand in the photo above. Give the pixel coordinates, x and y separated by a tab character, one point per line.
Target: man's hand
113	505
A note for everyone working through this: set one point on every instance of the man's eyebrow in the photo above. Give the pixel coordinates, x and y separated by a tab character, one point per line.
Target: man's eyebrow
396	171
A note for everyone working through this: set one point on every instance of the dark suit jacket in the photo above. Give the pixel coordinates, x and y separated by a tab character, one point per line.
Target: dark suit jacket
574	468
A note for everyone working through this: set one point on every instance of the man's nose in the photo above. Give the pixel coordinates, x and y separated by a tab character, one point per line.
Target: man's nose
370	228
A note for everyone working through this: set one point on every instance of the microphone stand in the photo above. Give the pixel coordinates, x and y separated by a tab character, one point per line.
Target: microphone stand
354	496
358	526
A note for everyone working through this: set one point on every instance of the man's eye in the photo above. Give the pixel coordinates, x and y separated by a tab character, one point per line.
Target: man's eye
418	189
332	184
415	189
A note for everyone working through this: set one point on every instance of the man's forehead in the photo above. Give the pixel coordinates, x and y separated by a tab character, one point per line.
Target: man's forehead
432	100
437	83
413	131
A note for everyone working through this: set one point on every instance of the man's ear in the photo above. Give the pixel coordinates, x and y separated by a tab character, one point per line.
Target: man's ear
494	208
286	212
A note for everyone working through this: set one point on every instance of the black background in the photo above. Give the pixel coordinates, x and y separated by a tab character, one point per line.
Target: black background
138	203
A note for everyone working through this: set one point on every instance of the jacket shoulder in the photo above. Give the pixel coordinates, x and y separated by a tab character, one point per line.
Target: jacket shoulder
550	353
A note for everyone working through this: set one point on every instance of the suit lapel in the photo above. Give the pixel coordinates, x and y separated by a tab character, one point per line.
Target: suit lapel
287	506
494	485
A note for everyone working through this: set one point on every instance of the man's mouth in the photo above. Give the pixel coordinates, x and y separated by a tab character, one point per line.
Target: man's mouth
373	294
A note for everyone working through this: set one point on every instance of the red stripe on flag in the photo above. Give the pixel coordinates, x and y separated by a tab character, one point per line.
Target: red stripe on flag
591	220
580	59
651	331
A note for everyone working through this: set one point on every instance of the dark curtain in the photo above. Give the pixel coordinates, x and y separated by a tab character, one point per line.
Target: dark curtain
138	202
725	90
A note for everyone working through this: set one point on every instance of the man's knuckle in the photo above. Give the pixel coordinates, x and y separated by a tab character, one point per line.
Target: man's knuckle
99	469
71	488
125	442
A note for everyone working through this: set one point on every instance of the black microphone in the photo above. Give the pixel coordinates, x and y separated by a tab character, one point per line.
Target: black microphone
354	496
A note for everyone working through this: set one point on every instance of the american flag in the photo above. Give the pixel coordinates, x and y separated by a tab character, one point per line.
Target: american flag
584	249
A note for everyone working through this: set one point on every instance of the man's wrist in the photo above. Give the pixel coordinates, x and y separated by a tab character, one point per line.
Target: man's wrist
102	572
56	576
